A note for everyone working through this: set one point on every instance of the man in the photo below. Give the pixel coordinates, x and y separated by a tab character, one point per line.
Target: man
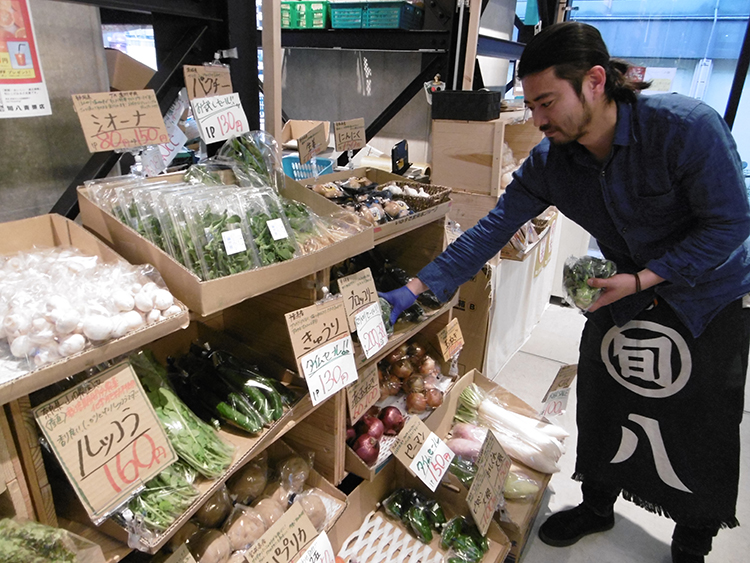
663	356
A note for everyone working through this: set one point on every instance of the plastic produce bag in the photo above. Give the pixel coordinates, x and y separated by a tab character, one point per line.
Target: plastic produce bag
313	506
32	542
243	527
257	159
576	273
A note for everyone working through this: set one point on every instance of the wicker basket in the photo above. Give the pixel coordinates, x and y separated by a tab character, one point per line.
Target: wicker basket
438	195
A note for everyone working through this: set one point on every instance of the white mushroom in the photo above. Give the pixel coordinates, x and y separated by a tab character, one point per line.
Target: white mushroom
163	299
133	319
123	300
21	346
135	288
173	310
154	315
120	325
72	345
45	356
144	301
97	327
150	287
66	320
17	323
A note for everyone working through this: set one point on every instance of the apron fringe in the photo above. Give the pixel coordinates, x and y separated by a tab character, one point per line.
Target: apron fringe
657	509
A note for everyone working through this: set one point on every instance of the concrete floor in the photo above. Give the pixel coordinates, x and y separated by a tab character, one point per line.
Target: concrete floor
638	536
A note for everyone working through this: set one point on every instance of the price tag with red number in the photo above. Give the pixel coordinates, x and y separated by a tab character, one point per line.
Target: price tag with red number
363	393
220	117
451	340
423	452
556	399
323	347
371	329
120	120
107	438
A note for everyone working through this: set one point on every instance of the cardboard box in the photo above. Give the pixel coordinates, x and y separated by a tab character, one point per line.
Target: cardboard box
295	128
468	155
519	515
207	297
395	228
55	230
473	314
126	73
366	498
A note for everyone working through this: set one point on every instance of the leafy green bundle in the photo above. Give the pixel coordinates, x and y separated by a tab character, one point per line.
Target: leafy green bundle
576	273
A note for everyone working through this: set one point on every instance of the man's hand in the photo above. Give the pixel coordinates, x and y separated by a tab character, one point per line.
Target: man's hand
400	299
621	285
616	287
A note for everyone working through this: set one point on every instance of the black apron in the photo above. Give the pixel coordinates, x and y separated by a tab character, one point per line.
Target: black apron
659	412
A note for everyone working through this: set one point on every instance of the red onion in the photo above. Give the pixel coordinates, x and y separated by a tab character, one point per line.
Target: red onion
351	434
367	448
370	425
393	420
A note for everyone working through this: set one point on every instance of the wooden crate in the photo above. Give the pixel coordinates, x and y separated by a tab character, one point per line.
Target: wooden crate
15	499
468	155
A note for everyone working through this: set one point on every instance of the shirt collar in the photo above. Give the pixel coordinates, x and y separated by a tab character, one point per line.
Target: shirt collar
624	130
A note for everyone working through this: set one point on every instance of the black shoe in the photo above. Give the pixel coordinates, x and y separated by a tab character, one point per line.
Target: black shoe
682	556
567	527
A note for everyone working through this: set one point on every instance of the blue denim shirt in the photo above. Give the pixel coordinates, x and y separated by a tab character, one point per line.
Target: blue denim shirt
670	197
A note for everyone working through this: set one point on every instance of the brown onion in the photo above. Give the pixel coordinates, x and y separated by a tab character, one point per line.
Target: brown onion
394	385
434	398
416	349
416	403
397	354
402	369
415	384
427	366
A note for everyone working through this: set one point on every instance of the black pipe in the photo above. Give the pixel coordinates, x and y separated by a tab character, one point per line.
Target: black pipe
743	62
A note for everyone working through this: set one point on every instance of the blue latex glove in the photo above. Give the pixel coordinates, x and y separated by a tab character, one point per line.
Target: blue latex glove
400	299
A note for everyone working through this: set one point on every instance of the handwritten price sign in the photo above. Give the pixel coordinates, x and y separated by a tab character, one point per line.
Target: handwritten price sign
486	490
120	120
556	398
422	452
207	80
220	117
371	330
282	541
359	291
329	368
107	438
451	340
363	393
312	143
349	135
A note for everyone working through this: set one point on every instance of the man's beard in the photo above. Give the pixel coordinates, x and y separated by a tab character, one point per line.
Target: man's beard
580	128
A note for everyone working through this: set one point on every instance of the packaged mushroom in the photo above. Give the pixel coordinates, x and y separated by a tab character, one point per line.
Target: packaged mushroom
57	302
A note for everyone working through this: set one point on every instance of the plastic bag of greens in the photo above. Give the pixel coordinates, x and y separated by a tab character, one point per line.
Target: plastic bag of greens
32	542
576	273
257	159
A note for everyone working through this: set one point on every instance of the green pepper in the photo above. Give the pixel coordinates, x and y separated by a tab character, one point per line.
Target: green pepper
416	518
450	531
466	548
435	514
394	504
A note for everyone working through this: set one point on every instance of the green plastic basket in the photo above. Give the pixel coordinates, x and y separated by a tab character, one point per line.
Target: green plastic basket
376	15
305	14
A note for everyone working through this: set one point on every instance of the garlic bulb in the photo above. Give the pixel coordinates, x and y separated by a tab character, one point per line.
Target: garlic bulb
123	300
21	346
154	315
66	320
133	319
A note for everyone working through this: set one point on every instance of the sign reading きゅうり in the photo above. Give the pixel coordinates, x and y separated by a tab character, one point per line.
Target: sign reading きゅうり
451	340
556	398
486	490
205	81
120	120
423	452
323	347
107	438
312	143
220	117
363	393
284	539
349	135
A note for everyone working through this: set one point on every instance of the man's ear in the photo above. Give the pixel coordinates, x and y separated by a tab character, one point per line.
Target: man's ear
596	78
